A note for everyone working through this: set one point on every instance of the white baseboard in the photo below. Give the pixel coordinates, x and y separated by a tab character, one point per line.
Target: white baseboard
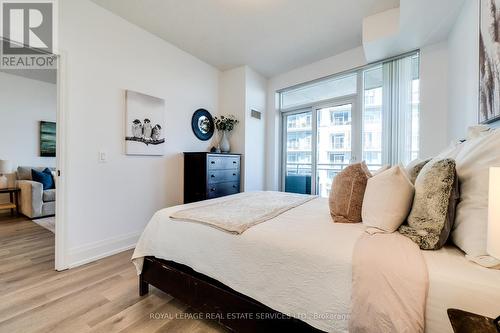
101	249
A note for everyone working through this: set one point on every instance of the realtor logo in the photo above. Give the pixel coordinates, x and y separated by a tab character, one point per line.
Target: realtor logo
27	34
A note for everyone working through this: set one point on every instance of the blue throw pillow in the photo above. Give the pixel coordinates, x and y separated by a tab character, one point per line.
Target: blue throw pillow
44	177
49	172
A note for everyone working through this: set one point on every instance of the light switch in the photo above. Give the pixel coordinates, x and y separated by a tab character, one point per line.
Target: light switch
103	158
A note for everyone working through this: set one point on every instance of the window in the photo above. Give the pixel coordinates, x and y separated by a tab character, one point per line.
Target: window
318	91
293	143
372	115
372	119
338	141
337	158
330	123
299	122
339	118
368	139
373	158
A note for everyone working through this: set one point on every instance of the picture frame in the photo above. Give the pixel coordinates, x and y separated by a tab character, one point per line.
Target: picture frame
202	124
489	62
145	124
48	132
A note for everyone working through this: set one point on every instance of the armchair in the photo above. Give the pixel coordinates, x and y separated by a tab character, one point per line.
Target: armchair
34	201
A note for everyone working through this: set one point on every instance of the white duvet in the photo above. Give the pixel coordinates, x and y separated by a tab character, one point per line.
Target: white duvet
298	263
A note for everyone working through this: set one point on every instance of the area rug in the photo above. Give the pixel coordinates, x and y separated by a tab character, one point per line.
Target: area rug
48	223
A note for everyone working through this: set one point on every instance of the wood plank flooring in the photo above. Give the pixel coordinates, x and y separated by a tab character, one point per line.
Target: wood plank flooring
98	297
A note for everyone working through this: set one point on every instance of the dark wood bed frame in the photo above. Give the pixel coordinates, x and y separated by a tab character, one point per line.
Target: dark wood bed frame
233	310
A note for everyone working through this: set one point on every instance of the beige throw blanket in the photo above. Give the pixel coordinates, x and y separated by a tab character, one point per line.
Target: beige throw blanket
242	211
389	285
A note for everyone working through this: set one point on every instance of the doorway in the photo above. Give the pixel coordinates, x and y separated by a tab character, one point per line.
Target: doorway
32	160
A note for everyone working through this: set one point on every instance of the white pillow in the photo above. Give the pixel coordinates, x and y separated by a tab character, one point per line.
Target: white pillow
451	151
476	131
388	199
474	158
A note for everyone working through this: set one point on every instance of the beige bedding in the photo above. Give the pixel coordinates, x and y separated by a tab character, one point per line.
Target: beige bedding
238	213
389	285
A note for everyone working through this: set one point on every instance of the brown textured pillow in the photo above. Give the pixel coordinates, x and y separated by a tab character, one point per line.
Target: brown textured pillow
346	195
433	213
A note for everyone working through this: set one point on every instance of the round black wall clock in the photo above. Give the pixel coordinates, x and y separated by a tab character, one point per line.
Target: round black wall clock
202	124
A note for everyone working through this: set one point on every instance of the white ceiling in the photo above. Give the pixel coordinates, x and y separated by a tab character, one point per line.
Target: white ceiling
271	36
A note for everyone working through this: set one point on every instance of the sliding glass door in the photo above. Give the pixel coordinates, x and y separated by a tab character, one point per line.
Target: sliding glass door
298	151
335	148
371	114
318	145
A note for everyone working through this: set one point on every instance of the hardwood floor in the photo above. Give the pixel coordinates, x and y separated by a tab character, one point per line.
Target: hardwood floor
98	297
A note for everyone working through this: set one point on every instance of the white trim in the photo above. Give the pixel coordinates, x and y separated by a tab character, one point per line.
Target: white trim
347	72
61	191
101	249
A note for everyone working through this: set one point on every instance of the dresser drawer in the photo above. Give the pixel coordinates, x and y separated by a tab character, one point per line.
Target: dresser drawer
222	189
223	162
222	176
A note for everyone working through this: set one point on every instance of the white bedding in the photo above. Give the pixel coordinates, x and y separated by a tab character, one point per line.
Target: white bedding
299	263
455	282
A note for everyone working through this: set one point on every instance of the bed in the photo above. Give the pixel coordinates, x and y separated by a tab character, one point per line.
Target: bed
298	264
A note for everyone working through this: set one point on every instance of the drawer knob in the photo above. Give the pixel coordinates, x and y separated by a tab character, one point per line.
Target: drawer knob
234	162
234	174
213	176
213	162
212	189
234	186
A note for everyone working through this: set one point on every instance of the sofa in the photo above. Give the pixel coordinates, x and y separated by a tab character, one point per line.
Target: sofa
34	201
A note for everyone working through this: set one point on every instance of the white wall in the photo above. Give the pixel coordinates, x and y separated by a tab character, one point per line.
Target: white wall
240	90
433	100
108	204
255	131
24	103
232	95
463	70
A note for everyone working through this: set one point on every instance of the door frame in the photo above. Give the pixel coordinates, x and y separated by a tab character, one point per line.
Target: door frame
61	161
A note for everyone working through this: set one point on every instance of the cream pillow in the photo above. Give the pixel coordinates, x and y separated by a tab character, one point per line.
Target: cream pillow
388	199
474	158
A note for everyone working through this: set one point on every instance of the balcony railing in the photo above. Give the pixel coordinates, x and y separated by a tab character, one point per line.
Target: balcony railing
298	176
